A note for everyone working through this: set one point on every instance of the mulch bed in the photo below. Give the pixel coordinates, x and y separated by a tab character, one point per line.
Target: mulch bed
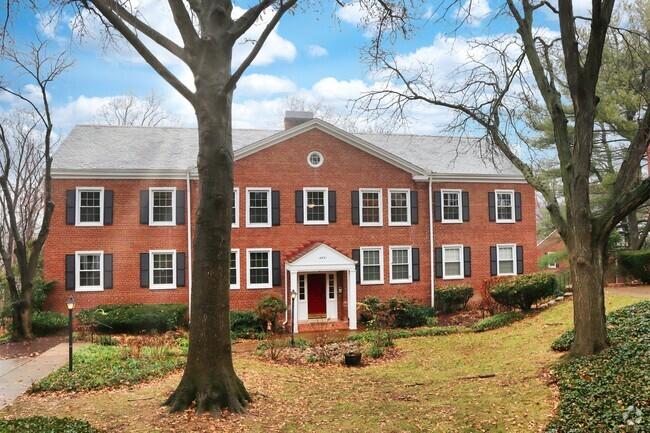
465	317
21	349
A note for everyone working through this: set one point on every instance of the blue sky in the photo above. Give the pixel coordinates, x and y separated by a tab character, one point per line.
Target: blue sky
313	56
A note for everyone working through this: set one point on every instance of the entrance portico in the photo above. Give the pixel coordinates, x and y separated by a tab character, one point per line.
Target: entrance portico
316	274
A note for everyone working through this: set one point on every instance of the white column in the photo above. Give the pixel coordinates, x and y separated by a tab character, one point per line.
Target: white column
352	299
294	302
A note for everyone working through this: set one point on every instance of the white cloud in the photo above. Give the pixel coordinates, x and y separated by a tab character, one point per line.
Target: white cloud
260	84
77	111
258	114
473	12
331	89
317	51
47	23
351	13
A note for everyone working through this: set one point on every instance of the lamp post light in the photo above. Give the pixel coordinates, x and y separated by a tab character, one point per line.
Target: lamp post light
293	311
70	303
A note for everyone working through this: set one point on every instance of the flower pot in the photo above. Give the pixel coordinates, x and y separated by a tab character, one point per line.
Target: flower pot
352	359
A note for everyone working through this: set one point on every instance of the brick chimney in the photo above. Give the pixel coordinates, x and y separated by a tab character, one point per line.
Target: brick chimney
295	118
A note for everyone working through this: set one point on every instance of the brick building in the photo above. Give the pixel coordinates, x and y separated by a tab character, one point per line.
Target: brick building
332	215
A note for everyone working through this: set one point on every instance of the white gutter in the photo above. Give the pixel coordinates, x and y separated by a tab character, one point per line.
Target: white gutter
189	244
431	249
286	300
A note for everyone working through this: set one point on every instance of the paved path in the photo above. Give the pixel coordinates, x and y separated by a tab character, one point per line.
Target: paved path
638	291
17	375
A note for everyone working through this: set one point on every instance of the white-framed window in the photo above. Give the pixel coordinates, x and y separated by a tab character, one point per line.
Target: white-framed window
162	269
235	207
315	209
89	271
370	207
452	206
400	264
162	206
372	265
452	262
234	268
302	292
552	260
505	206
258	207
506	259
258	264
90	206
315	159
399	207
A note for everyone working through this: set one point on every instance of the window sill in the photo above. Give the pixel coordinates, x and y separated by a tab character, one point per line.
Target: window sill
257	226
234	287
401	281
168	287
101	224
453	277
316	223
162	224
400	224
89	289
451	221
505	221
259	287
370	224
371	283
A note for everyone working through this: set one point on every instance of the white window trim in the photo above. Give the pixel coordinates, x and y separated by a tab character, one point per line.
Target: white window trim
554	264
153	286
237	285
322	159
248	207
408	207
409	264
81	189
250	285
162	223
381	265
236	207
514	259
381	212
444	262
325	201
512	205
460	206
77	272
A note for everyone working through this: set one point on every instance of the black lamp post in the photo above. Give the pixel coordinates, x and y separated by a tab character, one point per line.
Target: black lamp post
293	311
70	303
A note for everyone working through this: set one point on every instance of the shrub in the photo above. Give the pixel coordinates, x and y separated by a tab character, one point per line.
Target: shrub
268	309
635	264
524	290
134	318
245	324
48	322
452	297
375	351
43	424
498	321
106	340
393	313
487	301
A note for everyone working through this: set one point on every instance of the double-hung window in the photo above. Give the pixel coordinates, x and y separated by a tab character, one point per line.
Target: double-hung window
259	268
452	262
505	206
506	260
551	259
316	206
90	205
162	206
235	208
163	269
234	269
370	207
399	207
400	265
89	271
258	207
451	206
372	265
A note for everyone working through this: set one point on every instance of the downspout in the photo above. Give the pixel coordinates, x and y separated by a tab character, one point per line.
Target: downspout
286	300
189	243
431	249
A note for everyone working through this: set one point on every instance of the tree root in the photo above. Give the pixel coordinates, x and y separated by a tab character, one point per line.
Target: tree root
213	398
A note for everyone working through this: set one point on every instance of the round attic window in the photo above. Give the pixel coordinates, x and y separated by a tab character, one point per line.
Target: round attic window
315	159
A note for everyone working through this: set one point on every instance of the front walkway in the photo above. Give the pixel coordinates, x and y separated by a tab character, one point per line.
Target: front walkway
638	291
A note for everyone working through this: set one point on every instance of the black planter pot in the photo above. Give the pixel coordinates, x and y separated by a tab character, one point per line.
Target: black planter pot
352	359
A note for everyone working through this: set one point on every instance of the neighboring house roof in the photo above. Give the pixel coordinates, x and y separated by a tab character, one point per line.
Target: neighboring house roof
169	151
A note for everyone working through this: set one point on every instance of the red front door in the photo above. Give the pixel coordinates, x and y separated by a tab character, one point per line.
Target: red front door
316	295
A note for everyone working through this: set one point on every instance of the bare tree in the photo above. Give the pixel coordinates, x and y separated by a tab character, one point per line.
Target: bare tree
129	110
25	181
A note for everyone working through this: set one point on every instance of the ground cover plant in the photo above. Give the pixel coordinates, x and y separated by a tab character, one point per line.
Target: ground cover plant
42	424
498	320
609	391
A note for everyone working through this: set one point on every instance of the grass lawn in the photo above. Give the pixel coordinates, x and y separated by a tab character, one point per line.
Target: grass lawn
425	389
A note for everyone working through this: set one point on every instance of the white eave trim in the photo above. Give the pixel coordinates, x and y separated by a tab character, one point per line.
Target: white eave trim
66	173
477	178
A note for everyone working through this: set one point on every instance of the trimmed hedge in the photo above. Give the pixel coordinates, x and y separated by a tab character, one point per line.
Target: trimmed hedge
48	322
452	297
394	313
44	424
635	264
134	318
245	324
498	321
524	290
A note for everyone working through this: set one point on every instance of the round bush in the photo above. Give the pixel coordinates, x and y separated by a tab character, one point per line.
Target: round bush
524	290
452	297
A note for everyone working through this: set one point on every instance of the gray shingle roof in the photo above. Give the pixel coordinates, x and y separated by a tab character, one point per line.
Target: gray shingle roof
98	147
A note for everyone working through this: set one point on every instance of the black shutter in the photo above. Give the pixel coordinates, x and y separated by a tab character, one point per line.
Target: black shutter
300	211
144	207
356	256
180	207
414	207
180	269
517	206
69	272
467	261
437	210
520	260
331	206
108	208
144	269
108	271
438	252
70	207
415	265
275	208
276	269
465	205
492	208
493	260
355	207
